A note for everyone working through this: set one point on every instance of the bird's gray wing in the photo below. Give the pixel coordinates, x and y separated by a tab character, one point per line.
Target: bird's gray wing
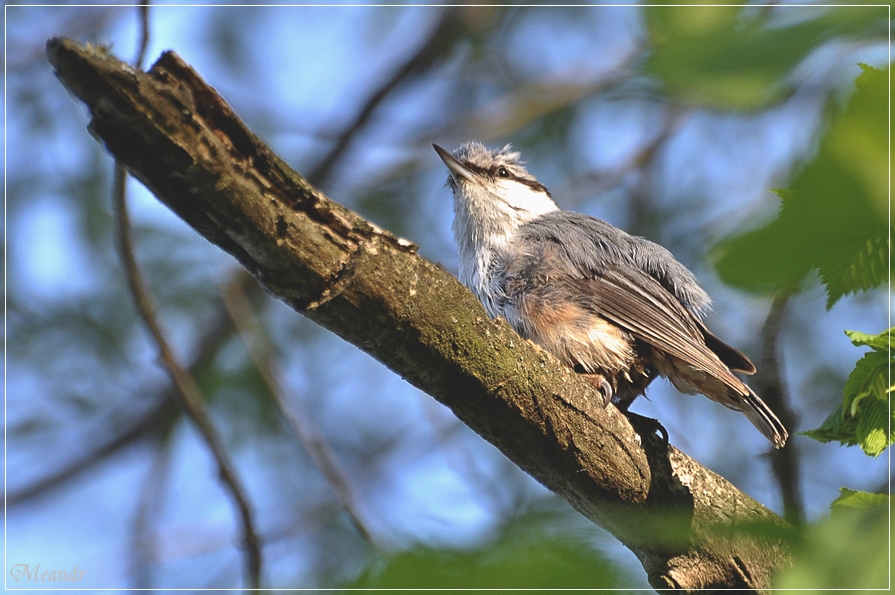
595	258
639	304
591	241
661	265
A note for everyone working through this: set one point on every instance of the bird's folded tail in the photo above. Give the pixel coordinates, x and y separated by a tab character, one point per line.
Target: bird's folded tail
763	418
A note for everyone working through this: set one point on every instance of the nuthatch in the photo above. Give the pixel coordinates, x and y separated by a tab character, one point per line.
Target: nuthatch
617	308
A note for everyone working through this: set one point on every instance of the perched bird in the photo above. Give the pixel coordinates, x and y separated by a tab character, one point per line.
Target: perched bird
615	307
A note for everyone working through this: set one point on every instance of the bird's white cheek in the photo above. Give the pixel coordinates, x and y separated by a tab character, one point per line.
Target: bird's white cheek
516	197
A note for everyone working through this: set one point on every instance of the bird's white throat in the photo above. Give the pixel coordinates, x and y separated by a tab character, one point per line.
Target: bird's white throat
486	217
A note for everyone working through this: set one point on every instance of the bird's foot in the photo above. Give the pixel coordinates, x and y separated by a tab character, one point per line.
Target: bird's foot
601	384
647	426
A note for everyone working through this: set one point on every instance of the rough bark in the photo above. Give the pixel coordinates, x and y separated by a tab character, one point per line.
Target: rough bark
689	527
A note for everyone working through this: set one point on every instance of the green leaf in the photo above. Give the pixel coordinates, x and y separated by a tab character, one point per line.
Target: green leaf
836	427
834	217
873	428
866	269
880	342
857	499
736	57
527	556
848	550
862	382
866	415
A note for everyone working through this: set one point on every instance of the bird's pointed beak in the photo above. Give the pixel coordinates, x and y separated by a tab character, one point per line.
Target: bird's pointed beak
456	169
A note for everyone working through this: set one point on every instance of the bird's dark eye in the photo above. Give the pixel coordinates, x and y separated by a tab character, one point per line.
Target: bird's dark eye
502	172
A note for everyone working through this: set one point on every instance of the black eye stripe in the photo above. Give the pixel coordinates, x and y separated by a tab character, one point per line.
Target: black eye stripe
493	172
534	185
475	168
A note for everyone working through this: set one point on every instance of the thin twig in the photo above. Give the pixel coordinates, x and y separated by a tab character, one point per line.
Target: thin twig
532	100
592	182
143	10
426	52
189	395
147	426
261	351
785	462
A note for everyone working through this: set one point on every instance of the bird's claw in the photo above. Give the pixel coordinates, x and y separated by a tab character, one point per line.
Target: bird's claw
647	426
607	391
601	384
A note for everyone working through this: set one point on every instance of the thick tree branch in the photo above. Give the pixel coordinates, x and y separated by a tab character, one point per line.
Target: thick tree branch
178	137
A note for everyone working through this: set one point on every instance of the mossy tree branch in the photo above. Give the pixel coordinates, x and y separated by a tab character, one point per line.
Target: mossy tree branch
176	135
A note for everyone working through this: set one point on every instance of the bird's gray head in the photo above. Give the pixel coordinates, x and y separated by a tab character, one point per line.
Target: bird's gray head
493	197
493	193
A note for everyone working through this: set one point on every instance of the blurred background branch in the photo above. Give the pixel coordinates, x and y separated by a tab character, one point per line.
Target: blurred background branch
186	391
261	352
772	388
